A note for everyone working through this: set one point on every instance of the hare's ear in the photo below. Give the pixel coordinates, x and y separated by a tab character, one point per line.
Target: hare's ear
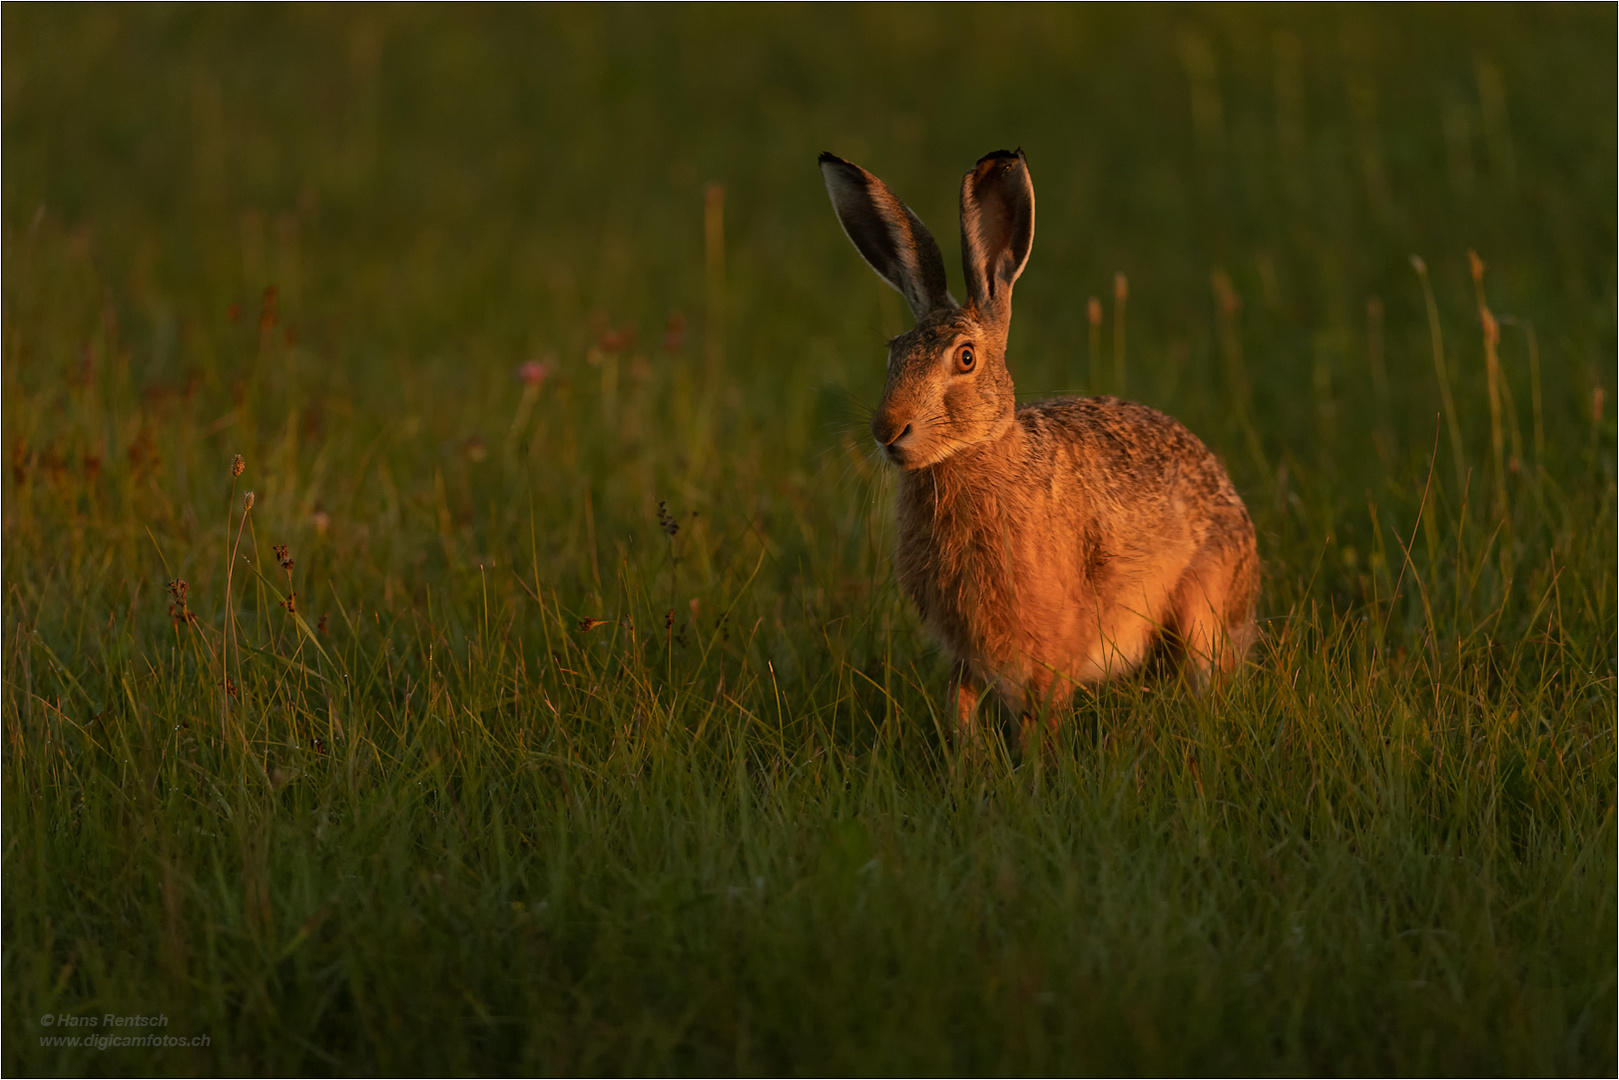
997	229
887	235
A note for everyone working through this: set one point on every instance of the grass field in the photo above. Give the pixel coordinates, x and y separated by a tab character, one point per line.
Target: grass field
597	737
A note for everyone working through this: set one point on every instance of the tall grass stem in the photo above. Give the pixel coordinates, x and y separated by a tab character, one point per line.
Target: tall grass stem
1447	400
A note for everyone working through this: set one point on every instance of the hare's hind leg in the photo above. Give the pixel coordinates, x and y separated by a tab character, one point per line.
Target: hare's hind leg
1213	610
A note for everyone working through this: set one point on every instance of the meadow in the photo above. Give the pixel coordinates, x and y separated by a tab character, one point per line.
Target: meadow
537	697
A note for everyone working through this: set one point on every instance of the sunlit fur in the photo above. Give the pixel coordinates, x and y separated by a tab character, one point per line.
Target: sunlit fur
1054	545
938	410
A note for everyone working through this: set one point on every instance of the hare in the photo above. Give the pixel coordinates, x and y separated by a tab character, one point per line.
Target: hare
1050	545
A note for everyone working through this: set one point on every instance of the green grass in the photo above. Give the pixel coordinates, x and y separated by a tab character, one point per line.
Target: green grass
441	827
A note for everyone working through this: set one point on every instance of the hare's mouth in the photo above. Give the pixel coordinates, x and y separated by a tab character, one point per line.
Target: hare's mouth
912	444
900	444
894	449
913	450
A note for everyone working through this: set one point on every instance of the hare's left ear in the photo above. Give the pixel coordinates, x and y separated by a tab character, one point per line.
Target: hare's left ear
997	229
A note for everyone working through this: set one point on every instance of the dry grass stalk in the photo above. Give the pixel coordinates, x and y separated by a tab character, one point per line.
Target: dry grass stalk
1492	371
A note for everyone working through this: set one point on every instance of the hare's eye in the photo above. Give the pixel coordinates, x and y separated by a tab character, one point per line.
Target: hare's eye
965	359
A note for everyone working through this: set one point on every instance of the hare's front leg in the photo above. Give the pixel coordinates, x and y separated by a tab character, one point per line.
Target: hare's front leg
965	692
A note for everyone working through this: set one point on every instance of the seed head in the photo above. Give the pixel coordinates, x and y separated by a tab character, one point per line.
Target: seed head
267	310
237	465
178	611
616	341
674	332
587	625
247	503
1226	293
283	558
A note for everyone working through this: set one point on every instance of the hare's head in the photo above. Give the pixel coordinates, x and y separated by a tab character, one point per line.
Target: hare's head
948	387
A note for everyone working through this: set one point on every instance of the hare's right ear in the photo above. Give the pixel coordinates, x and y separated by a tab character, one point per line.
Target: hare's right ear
887	235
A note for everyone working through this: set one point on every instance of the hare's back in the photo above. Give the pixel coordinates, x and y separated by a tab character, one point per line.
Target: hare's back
1127	454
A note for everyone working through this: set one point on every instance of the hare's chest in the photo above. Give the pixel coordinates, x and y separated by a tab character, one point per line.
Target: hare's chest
964	567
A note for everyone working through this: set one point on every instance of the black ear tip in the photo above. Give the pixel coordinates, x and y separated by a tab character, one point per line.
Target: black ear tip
1001	155
829	158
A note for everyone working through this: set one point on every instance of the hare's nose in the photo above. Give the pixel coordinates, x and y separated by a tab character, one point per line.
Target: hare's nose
887	430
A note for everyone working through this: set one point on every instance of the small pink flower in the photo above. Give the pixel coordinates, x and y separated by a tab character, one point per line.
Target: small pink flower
533	373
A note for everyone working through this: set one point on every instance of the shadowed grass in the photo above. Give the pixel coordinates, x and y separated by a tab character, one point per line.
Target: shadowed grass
596	737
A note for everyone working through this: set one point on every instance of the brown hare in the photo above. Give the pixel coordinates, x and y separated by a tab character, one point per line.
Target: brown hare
1049	545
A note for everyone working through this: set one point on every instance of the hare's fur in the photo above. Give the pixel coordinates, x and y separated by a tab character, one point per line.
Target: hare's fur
1052	545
